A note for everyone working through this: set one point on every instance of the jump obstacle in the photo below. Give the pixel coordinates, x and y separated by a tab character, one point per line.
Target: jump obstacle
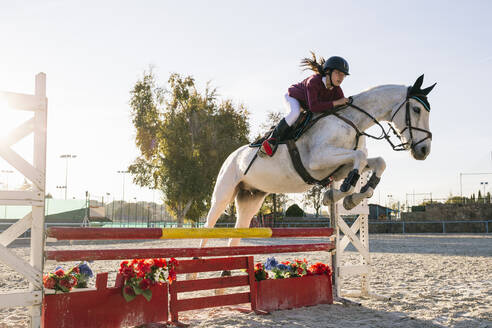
63	310
37	298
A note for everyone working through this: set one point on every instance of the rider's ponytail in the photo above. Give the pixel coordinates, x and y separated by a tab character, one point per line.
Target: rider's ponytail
314	64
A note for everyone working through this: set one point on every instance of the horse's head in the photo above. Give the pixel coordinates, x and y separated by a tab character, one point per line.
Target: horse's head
411	119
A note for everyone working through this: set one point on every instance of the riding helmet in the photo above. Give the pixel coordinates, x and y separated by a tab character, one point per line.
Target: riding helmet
338	63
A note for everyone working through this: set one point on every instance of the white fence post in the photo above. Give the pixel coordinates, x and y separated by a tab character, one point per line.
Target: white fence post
35	173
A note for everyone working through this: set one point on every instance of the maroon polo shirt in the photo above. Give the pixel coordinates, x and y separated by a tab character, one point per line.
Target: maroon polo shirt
313	94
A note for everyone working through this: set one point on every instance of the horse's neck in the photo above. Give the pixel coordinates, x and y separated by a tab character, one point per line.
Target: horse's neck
379	102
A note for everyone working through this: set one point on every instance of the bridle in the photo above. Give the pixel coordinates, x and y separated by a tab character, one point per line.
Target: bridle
385	134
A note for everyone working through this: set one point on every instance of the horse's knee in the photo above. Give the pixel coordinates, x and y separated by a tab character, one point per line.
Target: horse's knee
380	165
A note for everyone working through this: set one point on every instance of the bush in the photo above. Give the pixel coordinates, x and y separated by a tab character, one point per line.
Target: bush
294	211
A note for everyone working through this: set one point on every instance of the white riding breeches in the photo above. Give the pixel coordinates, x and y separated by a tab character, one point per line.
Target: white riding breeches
293	108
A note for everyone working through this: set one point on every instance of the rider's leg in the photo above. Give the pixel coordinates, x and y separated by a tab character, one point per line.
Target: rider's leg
293	107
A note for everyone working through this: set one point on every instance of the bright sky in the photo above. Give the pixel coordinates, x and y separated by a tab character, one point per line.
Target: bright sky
94	51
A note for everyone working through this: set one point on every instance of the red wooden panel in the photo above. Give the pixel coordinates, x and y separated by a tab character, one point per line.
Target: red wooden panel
211	283
64	233
121	254
176	305
212	301
281	294
252	282
301	232
105	307
219	264
69	233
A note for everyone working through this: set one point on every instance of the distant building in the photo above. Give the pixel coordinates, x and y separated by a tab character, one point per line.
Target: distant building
378	212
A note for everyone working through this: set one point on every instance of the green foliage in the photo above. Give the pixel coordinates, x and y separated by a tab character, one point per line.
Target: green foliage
294	211
184	136
314	198
273	202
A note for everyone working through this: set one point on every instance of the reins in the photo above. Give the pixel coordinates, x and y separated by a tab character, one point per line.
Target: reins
385	134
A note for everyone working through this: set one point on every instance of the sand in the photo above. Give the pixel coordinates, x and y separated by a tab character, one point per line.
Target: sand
433	281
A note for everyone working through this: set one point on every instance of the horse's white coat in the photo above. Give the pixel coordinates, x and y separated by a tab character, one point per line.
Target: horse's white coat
326	146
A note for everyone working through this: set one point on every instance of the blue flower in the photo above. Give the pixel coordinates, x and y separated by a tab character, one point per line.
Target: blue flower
282	267
85	269
271	263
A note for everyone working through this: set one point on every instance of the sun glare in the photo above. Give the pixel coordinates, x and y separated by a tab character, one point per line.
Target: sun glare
9	120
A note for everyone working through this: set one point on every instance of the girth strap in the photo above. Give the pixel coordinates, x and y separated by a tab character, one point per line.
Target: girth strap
357	131
301	170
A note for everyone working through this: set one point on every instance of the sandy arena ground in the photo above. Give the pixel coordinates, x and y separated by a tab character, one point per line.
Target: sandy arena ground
433	281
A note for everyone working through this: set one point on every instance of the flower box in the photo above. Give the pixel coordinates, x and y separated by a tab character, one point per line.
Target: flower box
282	294
104	307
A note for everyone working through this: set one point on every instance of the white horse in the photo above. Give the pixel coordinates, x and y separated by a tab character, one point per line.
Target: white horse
330	147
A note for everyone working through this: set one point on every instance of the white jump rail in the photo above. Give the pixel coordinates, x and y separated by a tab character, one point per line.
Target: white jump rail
36	174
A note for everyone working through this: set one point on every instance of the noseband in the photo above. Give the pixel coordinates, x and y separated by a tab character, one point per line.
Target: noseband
385	134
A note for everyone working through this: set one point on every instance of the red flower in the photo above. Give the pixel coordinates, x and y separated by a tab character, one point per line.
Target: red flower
320	268
145	284
127	272
145	267
73	281
76	269
66	284
60	273
124	264
160	263
49	282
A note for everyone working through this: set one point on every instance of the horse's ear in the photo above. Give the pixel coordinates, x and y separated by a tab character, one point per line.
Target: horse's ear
418	83
426	91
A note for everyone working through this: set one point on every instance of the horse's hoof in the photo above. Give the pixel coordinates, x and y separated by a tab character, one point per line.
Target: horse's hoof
348	203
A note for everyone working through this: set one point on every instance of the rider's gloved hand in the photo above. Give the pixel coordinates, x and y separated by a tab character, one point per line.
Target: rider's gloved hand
340	102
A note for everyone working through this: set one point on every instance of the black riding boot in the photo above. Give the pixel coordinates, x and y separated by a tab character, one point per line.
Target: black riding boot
270	145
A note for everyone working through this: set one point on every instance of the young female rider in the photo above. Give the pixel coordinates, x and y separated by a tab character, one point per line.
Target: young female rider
318	93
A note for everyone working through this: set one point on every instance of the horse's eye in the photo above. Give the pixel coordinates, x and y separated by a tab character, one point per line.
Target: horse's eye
416	109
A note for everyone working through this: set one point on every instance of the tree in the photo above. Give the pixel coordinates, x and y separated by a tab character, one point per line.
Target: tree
274	203
314	198
294	211
184	136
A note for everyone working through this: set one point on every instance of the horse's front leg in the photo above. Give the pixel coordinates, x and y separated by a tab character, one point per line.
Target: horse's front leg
336	157
377	165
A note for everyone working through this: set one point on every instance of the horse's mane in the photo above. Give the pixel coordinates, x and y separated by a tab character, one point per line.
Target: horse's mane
379	88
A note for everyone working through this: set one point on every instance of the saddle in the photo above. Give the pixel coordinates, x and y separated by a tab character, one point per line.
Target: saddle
301	125
305	121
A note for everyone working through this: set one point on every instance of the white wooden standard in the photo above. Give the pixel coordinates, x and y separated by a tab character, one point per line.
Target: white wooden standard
345	235
36	174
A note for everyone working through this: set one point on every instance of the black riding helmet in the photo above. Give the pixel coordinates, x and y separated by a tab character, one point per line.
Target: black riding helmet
338	63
